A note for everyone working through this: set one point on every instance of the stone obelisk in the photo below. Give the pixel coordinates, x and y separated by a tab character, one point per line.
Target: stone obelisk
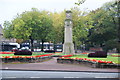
68	46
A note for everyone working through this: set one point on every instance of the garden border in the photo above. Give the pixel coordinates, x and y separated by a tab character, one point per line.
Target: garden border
26	59
87	63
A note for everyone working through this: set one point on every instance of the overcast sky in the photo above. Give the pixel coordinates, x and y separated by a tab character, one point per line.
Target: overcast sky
10	8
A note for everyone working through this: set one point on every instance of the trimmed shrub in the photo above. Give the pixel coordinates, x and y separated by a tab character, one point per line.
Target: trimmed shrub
98	54
23	52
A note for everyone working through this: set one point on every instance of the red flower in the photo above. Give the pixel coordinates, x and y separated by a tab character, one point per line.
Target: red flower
94	60
84	59
60	57
17	56
67	55
109	62
6	52
88	60
7	56
84	53
38	56
100	61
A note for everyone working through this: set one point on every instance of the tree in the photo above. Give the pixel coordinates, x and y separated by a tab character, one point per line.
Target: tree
105	22
7	29
82	22
118	14
80	2
57	33
32	25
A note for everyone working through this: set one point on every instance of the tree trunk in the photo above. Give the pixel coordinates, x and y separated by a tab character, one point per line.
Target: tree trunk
32	44
75	46
54	45
118	47
42	47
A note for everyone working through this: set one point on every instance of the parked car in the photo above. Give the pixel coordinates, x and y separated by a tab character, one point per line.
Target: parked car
25	48
14	50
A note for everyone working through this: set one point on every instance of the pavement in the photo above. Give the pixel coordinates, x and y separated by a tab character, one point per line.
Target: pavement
53	65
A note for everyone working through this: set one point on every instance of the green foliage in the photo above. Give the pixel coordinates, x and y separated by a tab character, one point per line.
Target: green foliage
57	33
7	29
104	33
36	24
82	22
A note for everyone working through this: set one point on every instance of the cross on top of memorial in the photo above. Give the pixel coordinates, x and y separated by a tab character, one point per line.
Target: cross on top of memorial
68	14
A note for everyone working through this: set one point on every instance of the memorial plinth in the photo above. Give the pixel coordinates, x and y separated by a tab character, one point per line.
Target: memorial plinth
68	47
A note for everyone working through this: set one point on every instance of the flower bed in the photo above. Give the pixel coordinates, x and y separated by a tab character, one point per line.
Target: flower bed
88	62
6	52
84	53
115	55
34	58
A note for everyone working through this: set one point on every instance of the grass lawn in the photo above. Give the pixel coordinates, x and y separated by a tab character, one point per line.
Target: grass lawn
60	54
109	58
34	54
116	54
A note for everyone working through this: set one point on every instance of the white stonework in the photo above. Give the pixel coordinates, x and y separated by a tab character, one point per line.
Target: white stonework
68	47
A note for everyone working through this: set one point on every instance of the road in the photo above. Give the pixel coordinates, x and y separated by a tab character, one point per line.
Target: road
55	74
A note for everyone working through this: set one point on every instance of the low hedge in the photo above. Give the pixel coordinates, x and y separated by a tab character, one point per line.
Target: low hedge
23	52
98	54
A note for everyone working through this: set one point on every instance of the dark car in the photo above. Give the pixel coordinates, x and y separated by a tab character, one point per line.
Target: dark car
14	50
